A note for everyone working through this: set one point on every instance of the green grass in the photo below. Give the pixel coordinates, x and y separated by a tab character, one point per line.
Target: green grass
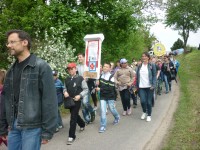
185	133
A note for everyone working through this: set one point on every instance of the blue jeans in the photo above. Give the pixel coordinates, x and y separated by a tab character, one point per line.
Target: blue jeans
86	108
59	120
24	139
167	83
111	105
146	95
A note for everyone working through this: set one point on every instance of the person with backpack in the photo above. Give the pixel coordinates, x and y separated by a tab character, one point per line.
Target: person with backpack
146	82
108	94
76	88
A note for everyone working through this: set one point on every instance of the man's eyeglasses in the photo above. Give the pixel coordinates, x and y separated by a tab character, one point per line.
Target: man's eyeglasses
12	42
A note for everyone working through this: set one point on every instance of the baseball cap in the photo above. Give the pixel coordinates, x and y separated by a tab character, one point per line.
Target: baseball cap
123	60
71	65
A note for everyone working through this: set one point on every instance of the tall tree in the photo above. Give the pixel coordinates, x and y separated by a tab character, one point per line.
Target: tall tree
184	16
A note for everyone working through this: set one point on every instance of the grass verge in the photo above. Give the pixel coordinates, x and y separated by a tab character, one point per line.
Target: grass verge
185	133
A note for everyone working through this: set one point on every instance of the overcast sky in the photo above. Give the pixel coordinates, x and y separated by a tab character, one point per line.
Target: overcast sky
167	36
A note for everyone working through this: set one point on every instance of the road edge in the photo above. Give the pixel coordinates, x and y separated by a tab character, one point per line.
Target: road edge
158	139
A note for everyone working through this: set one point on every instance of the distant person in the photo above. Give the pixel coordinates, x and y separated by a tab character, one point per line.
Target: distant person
199	47
107	96
166	69
176	65
59	91
76	87
2	78
30	112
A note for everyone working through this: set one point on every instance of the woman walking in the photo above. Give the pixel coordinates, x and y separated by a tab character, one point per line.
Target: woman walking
146	82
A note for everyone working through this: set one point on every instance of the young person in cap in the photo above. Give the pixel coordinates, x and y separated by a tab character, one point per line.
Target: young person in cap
124	79
76	87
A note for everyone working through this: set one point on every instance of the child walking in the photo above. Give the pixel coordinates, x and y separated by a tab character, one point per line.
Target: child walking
107	96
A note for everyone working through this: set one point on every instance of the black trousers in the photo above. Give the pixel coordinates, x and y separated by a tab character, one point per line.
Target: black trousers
91	86
125	98
75	118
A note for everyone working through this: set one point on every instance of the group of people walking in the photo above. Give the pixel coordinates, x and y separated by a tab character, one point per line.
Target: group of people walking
32	94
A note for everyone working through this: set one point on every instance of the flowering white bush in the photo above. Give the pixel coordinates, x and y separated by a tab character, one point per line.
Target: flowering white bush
53	49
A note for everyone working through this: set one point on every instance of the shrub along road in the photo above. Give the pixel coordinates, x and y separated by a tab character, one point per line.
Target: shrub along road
131	133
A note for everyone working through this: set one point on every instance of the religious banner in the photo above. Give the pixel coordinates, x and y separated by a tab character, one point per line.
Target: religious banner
159	49
93	44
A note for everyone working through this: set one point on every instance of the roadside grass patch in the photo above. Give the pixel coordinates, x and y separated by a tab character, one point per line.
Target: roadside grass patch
185	133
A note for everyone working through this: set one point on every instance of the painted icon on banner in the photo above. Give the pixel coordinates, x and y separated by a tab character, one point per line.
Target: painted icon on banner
92	66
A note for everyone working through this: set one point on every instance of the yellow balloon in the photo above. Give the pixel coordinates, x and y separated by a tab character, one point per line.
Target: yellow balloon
159	49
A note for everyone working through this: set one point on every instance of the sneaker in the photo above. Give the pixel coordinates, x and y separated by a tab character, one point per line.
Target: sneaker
92	116
129	111
116	121
82	129
124	113
95	108
148	118
102	129
60	127
70	141
57	130
143	116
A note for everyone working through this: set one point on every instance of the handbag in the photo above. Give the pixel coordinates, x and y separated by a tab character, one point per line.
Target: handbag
69	102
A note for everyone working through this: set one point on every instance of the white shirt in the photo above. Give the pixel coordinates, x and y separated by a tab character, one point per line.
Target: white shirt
144	77
80	68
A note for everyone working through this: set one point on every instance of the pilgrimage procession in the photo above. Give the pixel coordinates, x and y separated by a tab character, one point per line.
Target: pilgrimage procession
102	97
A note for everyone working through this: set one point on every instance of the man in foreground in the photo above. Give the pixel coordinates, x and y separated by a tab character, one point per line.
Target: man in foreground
30	113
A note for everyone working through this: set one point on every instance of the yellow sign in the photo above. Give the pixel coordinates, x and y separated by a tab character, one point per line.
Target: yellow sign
159	49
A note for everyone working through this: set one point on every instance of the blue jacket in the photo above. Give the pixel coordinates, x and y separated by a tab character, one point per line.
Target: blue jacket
59	90
37	107
152	75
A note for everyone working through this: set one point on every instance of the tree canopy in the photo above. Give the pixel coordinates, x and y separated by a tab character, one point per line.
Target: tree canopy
184	16
122	23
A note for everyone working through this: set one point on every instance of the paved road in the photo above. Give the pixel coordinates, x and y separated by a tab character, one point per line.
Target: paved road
131	133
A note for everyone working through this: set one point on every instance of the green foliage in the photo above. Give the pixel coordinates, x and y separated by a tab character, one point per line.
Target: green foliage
178	44
121	22
4	62
183	15
54	50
